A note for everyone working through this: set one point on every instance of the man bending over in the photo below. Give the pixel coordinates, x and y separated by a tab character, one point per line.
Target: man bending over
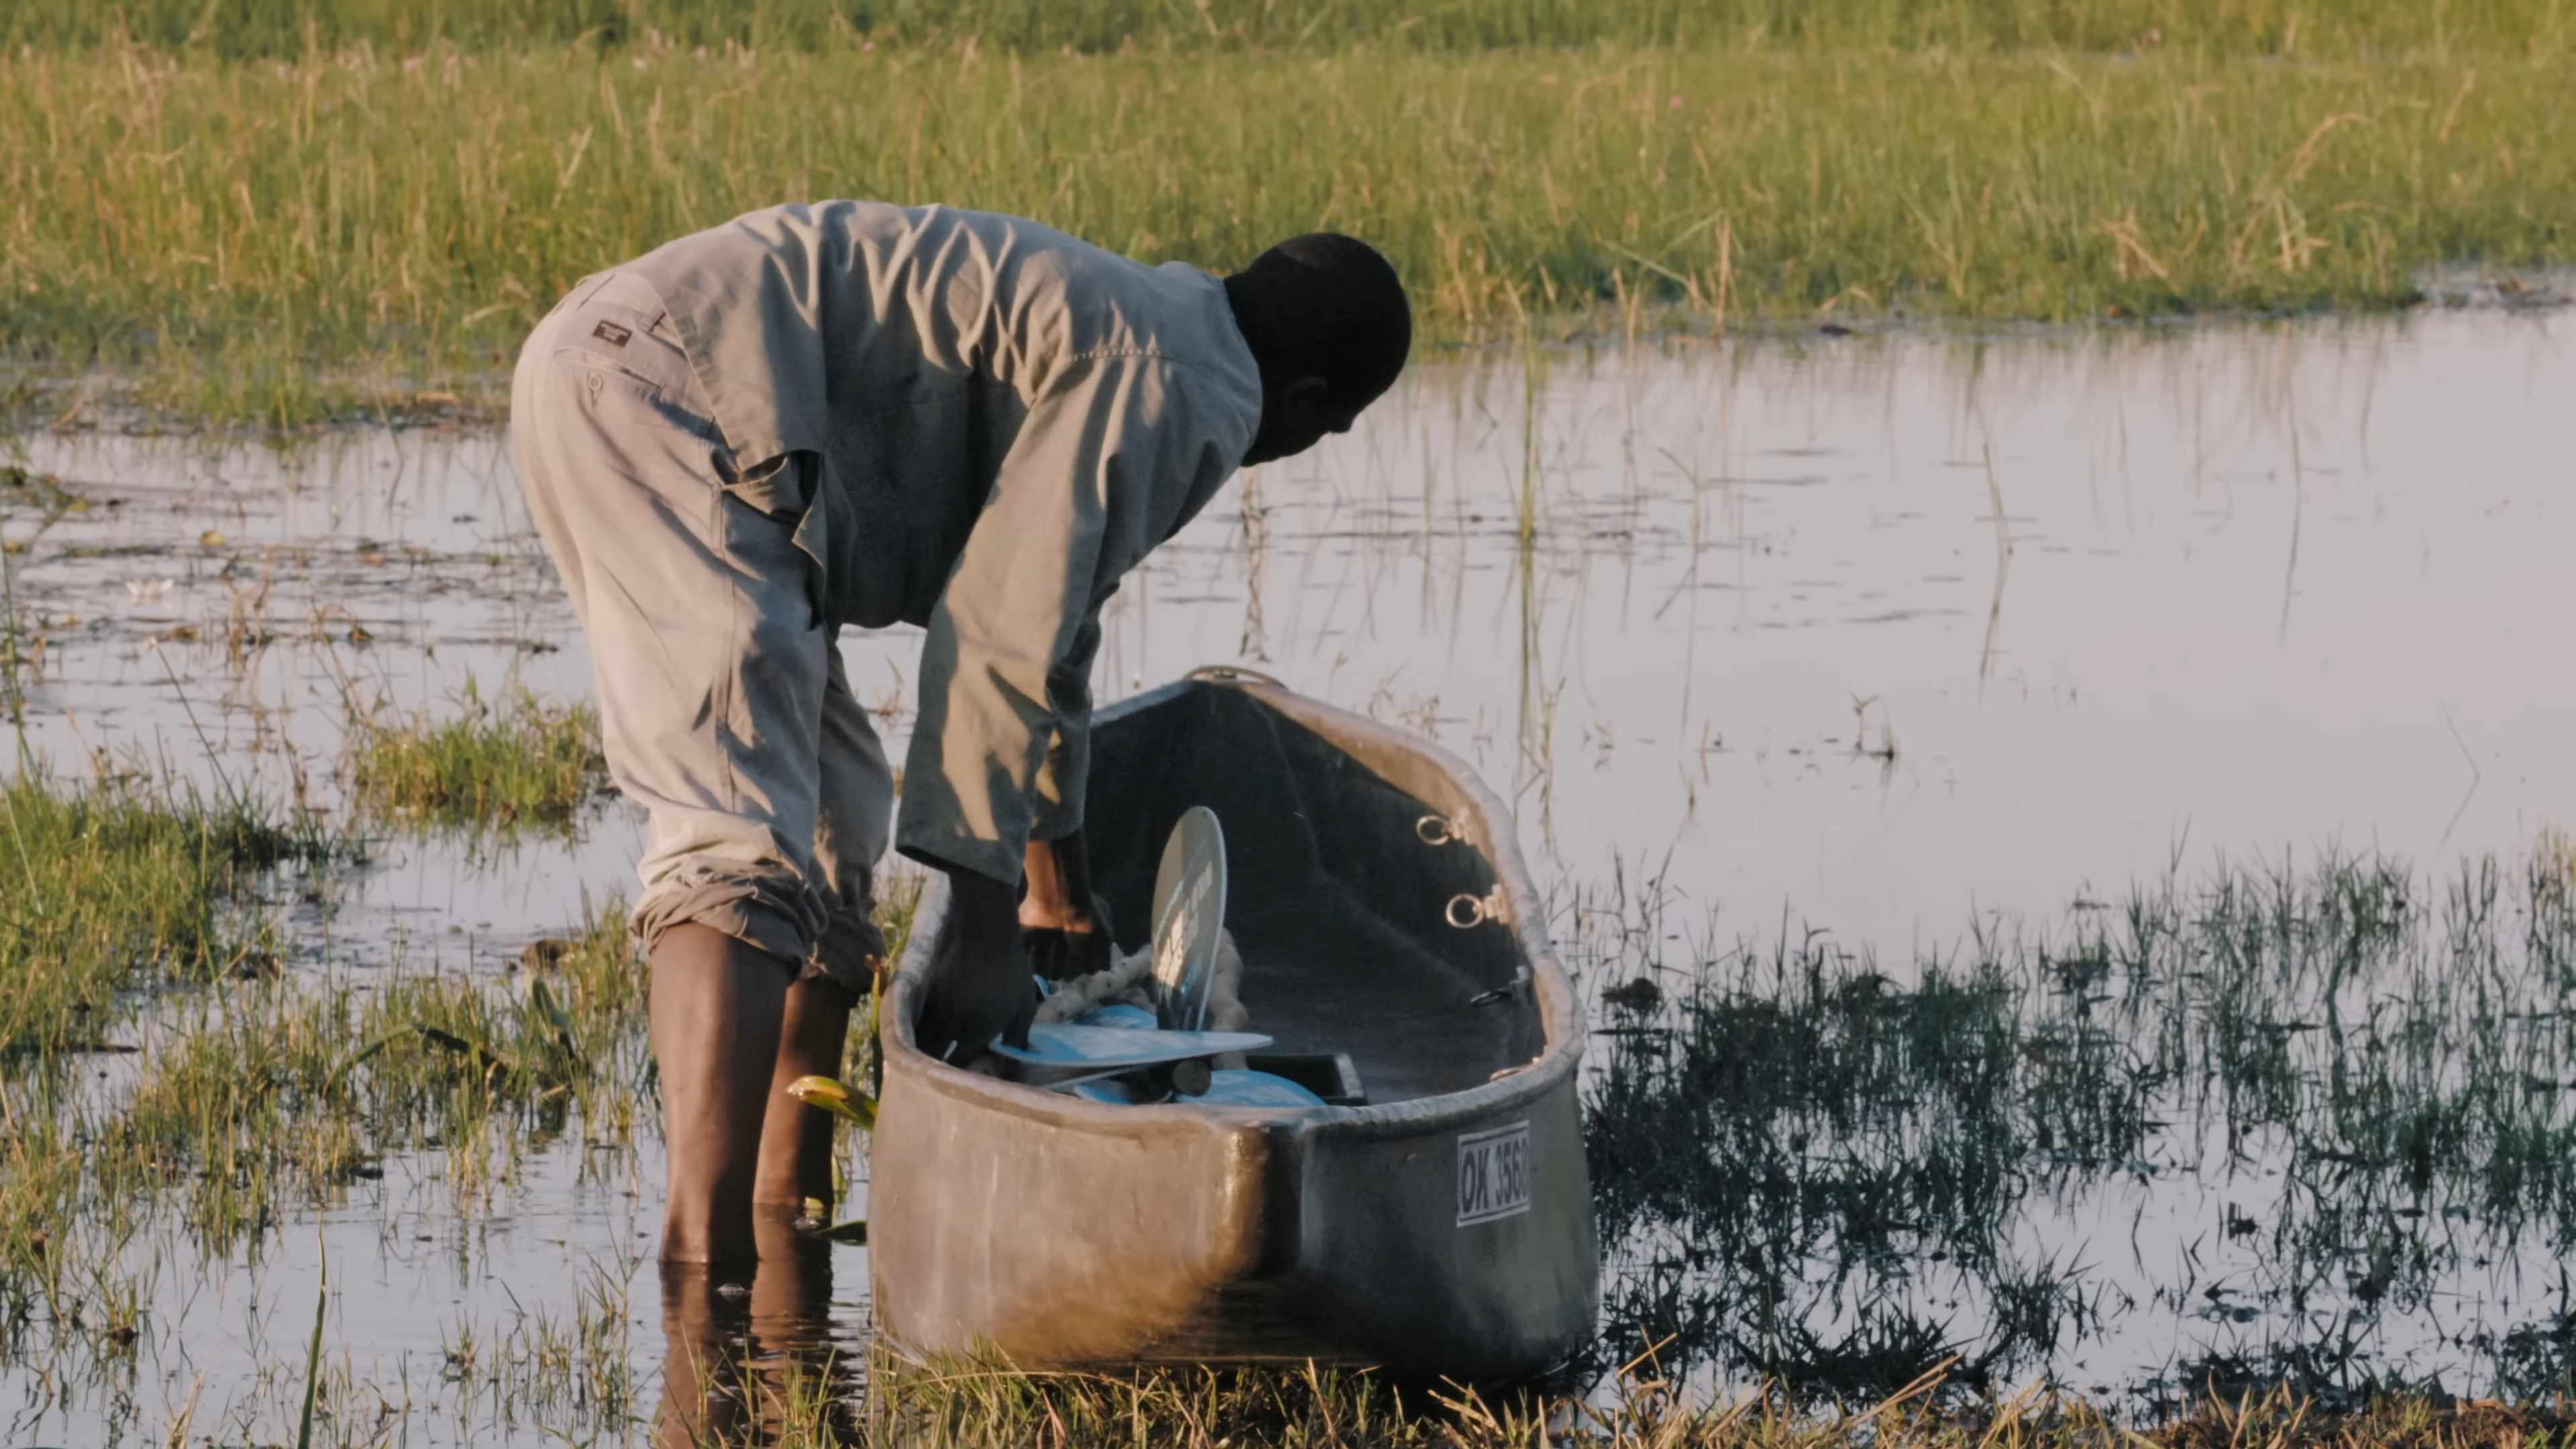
849	413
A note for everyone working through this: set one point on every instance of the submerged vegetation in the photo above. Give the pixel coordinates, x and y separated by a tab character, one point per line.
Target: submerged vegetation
521	762
374	212
1818	1172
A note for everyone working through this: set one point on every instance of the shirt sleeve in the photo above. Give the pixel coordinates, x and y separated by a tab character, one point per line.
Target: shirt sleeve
1102	469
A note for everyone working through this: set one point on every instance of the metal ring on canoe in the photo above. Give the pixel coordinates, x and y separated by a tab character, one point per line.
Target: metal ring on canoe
1468	911
1438	829
1231	674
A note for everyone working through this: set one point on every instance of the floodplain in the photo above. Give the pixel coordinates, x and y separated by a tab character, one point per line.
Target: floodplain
2006	555
2062	833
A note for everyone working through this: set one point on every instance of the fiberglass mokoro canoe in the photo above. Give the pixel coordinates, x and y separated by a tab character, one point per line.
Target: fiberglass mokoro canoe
1443	1228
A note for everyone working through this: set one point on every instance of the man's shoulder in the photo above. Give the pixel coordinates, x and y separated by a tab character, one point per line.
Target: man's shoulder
963	274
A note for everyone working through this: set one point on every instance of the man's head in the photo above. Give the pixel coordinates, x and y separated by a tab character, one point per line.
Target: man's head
1329	325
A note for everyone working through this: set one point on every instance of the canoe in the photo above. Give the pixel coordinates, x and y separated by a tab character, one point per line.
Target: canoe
1440	1226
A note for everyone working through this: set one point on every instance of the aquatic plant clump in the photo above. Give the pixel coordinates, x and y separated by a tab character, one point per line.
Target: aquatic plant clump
264	1100
111	885
523	762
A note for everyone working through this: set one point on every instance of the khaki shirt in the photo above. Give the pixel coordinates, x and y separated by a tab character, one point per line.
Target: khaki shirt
1006	421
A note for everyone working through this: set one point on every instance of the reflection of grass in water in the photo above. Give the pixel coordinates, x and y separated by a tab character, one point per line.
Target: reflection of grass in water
357	228
1795	1149
520	764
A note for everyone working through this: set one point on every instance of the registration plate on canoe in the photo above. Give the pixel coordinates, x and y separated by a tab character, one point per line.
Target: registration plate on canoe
1493	1174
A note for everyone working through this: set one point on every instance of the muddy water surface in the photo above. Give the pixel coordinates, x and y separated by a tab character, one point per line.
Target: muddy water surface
1896	638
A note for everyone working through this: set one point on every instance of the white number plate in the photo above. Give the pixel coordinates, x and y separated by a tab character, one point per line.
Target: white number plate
1493	1174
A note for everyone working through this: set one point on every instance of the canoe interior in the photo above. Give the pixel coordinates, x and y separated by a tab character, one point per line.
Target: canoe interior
1334	898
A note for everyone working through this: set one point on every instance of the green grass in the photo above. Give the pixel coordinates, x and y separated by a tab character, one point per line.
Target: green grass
378	227
288	27
973	1405
520	763
265	1097
115	885
271	1098
119	895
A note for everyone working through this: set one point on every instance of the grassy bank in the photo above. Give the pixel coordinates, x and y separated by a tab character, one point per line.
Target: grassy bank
283	238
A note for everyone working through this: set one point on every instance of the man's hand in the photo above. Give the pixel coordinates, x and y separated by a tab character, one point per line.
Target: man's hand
982	990
1064	927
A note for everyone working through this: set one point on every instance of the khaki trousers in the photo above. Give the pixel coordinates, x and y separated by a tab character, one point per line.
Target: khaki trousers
722	701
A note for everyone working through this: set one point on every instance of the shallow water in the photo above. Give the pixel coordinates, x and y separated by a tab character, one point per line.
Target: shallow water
1885	635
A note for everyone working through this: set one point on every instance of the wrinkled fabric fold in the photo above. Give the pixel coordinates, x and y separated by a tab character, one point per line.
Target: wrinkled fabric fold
1007	419
724	709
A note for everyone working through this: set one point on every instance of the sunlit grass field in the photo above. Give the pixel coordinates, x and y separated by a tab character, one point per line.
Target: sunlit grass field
302	232
2352	27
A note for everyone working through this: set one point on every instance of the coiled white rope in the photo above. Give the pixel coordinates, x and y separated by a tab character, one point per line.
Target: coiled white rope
1123	984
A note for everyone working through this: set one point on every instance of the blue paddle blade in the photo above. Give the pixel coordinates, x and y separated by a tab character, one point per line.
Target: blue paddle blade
1189	920
1225	1089
1253	1089
1097	1048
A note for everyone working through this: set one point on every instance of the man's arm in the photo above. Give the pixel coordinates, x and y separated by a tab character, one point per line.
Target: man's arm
1100	470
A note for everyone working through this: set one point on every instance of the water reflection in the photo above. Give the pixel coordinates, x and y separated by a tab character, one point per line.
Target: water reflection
744	1360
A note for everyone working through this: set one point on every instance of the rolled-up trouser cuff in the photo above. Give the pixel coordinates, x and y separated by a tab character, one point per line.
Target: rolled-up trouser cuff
794	924
777	916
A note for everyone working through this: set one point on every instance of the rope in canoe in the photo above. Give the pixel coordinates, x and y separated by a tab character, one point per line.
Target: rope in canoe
1123	984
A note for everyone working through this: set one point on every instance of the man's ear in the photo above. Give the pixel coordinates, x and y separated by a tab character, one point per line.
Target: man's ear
1305	394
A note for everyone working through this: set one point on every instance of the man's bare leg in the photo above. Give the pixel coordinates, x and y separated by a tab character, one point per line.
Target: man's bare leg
716	1010
796	1140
